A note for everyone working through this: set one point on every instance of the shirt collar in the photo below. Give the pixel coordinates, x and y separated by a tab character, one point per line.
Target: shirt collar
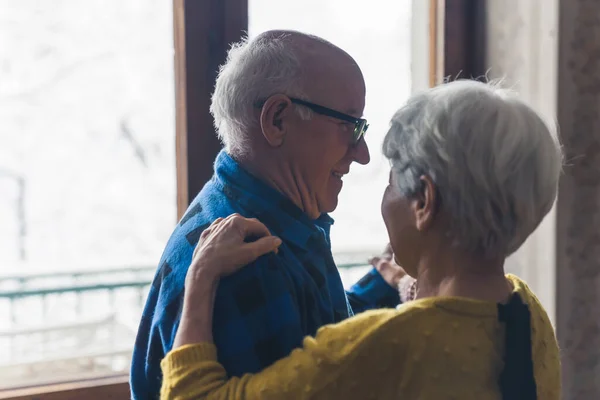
262	201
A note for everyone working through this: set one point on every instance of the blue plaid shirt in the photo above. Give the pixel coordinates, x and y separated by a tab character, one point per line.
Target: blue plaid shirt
264	310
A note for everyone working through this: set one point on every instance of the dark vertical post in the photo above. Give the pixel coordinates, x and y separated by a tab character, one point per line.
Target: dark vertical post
204	30
464	39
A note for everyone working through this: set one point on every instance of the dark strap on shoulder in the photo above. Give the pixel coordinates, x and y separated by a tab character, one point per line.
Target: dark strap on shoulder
517	380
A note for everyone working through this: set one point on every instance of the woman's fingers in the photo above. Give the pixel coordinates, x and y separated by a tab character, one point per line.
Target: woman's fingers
250	227
251	251
234	227
213	226
231	243
215	223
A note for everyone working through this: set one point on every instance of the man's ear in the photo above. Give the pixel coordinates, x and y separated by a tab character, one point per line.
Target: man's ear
273	119
424	206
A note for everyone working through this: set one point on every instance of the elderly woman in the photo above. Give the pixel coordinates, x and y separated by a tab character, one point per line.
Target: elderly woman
473	172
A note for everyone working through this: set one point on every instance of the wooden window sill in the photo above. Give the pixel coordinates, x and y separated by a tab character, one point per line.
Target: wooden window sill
105	388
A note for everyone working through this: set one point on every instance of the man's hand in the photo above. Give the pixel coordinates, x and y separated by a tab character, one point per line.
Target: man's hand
387	267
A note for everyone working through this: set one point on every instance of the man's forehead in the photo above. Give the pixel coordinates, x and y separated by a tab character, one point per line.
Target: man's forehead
352	111
344	91
333	78
346	102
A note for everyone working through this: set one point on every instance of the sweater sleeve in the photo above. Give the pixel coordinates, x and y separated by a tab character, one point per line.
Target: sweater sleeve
336	354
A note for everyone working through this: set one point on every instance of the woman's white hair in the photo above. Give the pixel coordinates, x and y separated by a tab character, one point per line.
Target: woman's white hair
495	162
255	70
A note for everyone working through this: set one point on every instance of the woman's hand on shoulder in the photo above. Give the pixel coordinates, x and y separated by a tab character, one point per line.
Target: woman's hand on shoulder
228	244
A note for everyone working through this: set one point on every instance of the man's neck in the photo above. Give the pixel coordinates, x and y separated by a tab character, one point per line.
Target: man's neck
284	178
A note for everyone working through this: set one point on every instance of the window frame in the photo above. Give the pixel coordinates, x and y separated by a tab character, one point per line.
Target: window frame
112	387
203	31
464	37
200	47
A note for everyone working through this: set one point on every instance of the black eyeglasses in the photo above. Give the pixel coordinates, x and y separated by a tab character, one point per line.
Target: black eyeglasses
360	124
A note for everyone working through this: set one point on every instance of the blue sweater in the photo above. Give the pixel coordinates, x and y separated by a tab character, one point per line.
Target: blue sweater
264	310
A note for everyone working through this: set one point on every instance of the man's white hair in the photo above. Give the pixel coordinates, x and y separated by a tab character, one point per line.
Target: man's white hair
255	70
495	162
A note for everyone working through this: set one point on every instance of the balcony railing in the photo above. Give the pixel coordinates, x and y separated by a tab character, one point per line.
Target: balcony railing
56	326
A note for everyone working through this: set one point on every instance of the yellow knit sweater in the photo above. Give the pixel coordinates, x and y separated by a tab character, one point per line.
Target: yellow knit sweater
435	348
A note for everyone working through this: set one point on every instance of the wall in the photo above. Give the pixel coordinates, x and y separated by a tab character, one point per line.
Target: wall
549	50
522	49
578	211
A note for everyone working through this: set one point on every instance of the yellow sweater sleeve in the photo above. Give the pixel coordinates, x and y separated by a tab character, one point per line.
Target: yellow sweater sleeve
313	371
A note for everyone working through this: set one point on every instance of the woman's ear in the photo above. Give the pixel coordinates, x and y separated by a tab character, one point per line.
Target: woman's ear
273	119
425	204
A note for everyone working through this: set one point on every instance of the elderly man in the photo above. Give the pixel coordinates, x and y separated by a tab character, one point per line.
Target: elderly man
287	107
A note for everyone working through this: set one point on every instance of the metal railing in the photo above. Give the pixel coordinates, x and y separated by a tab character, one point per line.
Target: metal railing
55	325
16	288
86	321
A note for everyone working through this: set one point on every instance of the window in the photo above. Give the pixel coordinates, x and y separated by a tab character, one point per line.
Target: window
378	35
87	181
87	165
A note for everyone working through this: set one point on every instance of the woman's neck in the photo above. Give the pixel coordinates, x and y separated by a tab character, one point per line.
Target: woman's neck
461	275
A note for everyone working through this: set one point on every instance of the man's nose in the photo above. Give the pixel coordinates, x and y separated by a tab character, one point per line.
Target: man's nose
361	152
